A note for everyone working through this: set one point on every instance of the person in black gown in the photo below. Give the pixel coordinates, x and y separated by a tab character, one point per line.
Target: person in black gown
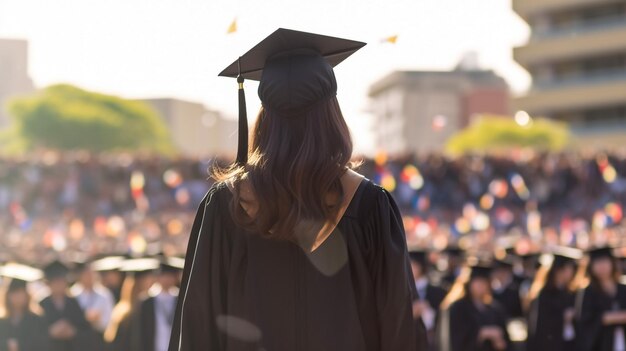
291	249
454	259
67	327
471	319
152	322
602	309
123	333
426	305
506	288
20	328
551	315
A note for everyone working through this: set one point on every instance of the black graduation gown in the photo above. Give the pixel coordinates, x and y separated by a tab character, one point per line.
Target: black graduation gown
75	316
434	295
592	335
243	292
509	299
144	326
462	321
30	333
546	322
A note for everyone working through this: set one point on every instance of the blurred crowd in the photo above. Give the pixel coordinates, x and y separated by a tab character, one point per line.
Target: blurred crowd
52	202
480	229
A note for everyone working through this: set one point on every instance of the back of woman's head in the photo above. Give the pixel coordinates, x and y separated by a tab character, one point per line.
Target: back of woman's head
602	268
294	162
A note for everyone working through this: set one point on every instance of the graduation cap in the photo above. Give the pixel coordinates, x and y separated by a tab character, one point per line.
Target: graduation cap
454	251
55	269
20	275
480	270
295	70
171	264
561	256
139	266
506	262
601	252
108	263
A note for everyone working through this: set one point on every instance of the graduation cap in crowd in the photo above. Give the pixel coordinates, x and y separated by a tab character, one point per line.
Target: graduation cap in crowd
506	262
55	270
171	264
563	255
20	275
480	270
601	252
454	251
140	266
295	70
108	263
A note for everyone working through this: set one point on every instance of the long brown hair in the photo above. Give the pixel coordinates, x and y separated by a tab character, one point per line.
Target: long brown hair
293	163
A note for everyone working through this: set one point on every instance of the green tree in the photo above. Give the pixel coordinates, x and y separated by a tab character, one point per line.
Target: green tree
500	133
66	117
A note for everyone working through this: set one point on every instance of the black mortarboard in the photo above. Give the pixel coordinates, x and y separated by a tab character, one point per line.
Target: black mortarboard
295	70
480	270
600	252
454	251
20	275
56	269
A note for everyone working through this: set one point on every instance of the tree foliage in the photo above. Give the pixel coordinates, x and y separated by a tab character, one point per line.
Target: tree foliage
499	133
66	117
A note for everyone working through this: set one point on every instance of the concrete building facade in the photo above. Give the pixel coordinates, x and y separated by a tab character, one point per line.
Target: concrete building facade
195	130
417	111
14	78
576	56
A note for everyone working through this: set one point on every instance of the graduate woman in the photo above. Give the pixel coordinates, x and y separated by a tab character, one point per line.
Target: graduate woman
21	329
602	305
471	319
291	249
551	311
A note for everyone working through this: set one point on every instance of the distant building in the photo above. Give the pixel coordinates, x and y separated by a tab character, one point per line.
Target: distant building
14	77
576	56
195	130
416	111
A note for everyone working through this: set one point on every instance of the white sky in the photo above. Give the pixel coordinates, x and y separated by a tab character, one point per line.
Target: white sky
147	48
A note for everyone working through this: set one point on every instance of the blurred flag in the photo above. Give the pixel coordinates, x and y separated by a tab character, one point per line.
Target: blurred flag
392	39
233	26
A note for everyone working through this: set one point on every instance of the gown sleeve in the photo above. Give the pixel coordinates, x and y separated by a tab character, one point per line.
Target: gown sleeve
202	297
394	288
